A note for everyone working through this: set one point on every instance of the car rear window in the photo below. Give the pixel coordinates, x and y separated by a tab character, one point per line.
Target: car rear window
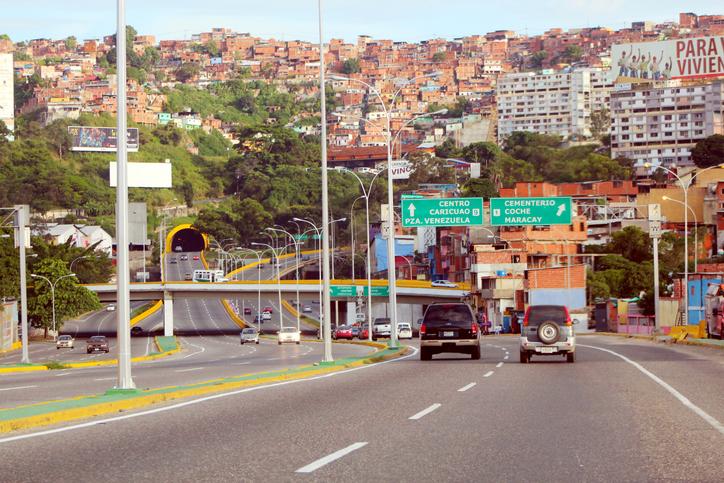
382	321
97	338
440	315
249	331
540	313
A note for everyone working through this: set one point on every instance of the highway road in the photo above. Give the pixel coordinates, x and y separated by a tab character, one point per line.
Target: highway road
627	410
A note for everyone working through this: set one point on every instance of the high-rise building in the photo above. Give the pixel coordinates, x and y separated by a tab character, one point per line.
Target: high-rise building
7	95
558	103
661	123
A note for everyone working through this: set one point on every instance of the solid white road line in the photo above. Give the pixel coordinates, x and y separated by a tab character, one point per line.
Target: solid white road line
202	400
500	364
682	399
189	370
465	388
18	387
488	374
506	358
426	411
329	458
105	379
62	374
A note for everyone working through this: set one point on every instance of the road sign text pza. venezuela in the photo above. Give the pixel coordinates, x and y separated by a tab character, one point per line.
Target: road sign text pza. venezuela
530	211
442	212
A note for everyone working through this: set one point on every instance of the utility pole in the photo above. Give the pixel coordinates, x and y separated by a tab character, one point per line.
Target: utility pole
655	234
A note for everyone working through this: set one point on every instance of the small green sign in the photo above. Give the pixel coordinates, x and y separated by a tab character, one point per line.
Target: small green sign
301	237
442	212
531	211
412	197
358	290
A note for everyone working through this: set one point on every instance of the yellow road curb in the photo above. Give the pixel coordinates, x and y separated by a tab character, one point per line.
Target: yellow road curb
237	320
151	310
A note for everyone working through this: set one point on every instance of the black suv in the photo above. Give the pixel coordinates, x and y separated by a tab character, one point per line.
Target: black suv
449	327
547	330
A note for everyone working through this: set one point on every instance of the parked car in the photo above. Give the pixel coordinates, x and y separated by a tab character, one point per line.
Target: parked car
97	343
268	310
444	283
449	327
184	257
196	257
64	341
250	335
343	332
172	260
136	331
404	331
364	332
247	310
355	331
547	330
266	316
382	327
306	309
288	334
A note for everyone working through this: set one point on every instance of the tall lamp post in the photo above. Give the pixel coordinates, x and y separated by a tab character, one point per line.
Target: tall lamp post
685	188
279	283
696	229
391	275
258	287
296	251
52	292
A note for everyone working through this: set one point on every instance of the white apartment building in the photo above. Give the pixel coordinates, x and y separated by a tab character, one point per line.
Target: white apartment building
661	124
558	103
7	94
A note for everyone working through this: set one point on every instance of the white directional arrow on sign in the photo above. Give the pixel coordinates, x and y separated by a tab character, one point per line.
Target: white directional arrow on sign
412	209
561	210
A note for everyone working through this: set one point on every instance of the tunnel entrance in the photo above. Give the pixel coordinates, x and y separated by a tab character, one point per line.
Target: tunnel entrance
185	239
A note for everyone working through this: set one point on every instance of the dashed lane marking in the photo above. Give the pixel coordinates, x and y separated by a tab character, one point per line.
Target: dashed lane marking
465	388
489	373
425	411
311	467
17	387
190	369
500	364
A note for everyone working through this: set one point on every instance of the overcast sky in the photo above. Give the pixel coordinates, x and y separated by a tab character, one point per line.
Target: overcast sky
405	20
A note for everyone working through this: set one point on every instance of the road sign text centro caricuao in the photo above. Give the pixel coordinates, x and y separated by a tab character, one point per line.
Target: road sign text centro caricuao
358	290
442	212
531	211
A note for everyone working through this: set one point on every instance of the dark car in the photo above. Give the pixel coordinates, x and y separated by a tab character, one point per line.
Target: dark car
547	330
247	310
97	343
136	330
449	327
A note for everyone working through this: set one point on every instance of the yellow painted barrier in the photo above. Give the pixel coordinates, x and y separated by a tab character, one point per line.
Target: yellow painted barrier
151	310
237	320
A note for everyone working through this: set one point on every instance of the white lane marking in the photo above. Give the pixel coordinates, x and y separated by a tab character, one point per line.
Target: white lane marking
17	387
148	345
506	358
682	399
489	373
62	374
105	379
425	411
311	467
465	388
203	349
202	400
240	363
504	349
499	364
191	369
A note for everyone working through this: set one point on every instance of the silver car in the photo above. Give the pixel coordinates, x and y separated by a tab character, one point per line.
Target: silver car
64	341
547	331
250	335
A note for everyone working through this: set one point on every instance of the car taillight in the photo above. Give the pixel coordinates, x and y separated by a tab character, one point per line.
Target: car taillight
423	329
474	328
568	317
525	318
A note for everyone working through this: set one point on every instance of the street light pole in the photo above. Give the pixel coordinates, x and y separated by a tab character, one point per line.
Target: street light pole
296	250
279	284
696	229
52	293
125	381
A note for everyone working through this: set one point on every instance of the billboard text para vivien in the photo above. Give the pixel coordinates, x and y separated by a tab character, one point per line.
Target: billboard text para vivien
670	59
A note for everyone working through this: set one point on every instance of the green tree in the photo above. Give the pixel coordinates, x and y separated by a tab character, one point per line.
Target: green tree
536	60
187	191
351	66
573	53
480	188
212	48
632	243
483	153
71	299
600	122
187	72
439	57
448	150
709	151
71	43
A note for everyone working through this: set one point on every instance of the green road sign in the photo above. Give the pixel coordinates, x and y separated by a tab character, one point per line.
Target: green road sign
301	237
358	290
530	211
442	212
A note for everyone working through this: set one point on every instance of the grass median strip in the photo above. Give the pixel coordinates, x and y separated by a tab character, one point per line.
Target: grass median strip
53	412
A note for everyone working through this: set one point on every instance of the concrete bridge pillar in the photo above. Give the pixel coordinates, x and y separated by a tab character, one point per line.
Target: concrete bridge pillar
167	314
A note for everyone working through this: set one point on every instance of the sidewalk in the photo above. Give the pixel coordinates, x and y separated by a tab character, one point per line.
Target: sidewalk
666	339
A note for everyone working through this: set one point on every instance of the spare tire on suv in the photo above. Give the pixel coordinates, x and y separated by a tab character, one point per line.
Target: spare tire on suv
449	327
547	330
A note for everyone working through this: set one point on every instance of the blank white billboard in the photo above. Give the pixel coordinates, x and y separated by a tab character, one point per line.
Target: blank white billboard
144	175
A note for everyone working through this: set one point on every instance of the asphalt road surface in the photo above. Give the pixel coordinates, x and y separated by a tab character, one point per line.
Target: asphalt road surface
627	410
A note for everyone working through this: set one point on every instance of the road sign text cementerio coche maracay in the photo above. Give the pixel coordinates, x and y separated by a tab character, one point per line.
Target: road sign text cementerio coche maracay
530	211
442	212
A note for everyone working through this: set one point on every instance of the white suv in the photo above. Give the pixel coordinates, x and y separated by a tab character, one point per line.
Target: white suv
547	330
